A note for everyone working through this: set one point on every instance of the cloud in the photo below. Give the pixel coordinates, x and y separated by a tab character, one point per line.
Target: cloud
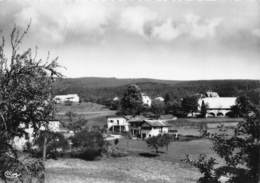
147	23
134	19
60	20
256	32
199	28
166	31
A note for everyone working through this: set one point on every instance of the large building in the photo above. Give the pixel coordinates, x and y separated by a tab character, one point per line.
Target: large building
217	106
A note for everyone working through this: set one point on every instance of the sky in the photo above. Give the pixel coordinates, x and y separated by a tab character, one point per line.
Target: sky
163	39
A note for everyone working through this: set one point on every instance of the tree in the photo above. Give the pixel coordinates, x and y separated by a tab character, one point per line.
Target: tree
158	107
156	142
242	108
241	153
78	125
190	104
54	142
131	102
26	90
203	109
90	143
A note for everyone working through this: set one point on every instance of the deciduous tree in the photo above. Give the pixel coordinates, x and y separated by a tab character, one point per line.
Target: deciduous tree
131	102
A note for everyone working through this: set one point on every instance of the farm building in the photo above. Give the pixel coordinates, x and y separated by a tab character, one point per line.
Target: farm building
61	99
117	124
148	128
217	106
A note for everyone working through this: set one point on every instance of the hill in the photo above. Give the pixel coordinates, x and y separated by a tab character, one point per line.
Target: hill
99	90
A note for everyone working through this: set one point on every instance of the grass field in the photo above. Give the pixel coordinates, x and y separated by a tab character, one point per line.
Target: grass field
118	170
135	168
94	113
176	150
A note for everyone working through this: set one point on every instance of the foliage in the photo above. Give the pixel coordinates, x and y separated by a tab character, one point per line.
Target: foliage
241	151
158	107
24	169
242	108
115	105
203	109
78	125
71	115
206	168
131	102
190	104
55	143
90	144
159	141
26	88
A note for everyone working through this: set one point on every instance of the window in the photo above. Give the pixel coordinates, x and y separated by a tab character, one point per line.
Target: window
111	121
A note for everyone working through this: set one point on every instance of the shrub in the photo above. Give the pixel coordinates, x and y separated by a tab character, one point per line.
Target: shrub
90	144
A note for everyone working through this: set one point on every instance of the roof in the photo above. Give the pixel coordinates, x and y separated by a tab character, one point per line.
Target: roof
137	119
218	102
156	123
67	96
114	116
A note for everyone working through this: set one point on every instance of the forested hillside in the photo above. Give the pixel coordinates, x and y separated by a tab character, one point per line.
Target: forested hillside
103	89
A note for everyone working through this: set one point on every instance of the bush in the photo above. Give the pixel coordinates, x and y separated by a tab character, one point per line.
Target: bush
89	154
90	144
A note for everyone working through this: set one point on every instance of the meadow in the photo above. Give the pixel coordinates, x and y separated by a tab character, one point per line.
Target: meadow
142	164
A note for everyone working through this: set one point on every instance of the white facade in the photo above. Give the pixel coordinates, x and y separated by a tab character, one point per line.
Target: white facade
148	128
20	142
147	101
117	124
154	131
60	99
217	106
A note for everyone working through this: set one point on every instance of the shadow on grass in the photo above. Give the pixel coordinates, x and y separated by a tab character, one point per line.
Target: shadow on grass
148	155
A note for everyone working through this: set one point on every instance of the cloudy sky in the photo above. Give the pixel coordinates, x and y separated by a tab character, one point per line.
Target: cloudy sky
165	39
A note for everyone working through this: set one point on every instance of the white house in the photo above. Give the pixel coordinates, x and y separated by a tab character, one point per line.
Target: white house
147	101
148	128
20	142
117	124
217	106
61	99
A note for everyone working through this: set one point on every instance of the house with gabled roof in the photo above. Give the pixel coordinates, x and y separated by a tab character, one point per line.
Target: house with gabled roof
145	128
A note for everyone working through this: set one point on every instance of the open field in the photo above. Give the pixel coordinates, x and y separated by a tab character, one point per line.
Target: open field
135	168
118	170
94	113
176	150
